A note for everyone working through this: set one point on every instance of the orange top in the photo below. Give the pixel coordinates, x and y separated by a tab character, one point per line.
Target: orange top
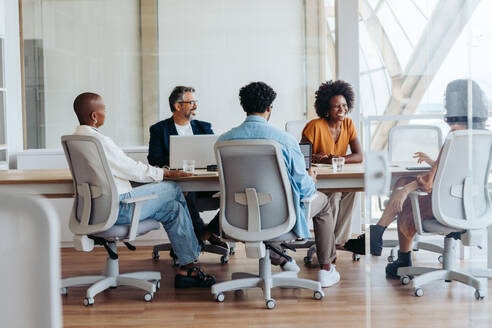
318	133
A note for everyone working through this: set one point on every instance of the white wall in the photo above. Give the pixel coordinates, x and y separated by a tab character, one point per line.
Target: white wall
218	46
89	46
13	78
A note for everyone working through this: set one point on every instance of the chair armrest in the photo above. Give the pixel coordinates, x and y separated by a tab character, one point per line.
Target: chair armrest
307	203
417	219
419	193
216	195
138	199
309	200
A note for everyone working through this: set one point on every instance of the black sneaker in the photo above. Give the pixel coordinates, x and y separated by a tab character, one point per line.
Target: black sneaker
200	279
404	260
357	246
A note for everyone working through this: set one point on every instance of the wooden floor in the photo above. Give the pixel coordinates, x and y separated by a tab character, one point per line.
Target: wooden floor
360	299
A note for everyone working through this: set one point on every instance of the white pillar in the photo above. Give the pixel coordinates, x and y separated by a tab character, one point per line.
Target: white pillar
13	84
347	67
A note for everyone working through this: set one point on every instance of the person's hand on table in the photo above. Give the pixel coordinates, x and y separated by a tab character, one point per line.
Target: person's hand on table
327	159
316	158
423	157
176	174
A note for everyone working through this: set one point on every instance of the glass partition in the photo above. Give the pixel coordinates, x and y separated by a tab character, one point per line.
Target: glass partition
134	52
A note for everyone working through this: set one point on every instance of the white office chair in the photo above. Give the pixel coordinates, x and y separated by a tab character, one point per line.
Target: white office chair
30	255
94	213
256	206
460	202
403	142
295	128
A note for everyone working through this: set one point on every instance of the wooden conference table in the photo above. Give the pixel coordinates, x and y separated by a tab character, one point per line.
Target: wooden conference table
57	183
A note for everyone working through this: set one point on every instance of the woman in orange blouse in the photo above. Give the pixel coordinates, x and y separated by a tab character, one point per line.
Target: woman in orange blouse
333	131
330	135
399	204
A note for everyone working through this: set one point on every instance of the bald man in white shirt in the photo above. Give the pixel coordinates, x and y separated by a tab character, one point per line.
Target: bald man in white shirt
169	207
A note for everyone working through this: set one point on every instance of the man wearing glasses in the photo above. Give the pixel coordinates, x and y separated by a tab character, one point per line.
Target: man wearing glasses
183	107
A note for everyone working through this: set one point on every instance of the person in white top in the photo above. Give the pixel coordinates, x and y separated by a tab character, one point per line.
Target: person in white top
184	106
169	207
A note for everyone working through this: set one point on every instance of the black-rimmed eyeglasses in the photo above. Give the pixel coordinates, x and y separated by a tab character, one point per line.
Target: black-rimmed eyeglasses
191	102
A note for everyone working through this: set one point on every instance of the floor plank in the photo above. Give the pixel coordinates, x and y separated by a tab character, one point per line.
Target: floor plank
361	299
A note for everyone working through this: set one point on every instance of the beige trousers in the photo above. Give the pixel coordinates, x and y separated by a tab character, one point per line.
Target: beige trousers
332	217
342	204
324	228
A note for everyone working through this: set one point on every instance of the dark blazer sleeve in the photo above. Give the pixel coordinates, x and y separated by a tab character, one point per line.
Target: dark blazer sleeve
208	128
158	150
201	127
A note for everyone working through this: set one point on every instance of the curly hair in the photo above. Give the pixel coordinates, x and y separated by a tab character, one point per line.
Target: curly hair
256	97
330	89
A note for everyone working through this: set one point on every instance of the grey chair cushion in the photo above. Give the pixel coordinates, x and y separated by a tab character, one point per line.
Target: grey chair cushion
285	237
121	231
434	226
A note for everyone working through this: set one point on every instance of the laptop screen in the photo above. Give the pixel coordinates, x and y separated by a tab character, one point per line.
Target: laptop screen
197	147
306	150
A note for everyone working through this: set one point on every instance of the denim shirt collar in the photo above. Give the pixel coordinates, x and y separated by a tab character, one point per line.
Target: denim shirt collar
255	118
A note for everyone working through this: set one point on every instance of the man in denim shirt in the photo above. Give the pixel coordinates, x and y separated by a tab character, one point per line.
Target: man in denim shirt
256	99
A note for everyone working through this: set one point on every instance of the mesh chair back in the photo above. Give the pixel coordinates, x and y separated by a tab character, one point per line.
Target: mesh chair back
460	196
257	164
94	186
405	140
295	128
30	272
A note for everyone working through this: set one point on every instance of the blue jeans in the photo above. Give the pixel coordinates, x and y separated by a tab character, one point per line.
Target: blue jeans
170	209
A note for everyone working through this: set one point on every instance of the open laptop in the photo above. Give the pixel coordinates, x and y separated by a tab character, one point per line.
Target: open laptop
197	147
307	152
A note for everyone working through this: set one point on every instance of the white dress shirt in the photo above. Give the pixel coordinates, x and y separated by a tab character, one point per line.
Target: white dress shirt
123	167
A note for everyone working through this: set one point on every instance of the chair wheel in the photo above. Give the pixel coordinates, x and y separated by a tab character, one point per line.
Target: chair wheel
232	251
391	258
405	280
318	295
224	259
270	304
174	262
155	255
355	257
308	260
418	292
148	297
88	301
220	297
64	291
479	295
440	259
157	284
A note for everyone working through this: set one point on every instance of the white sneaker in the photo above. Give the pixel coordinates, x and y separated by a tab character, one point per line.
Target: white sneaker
290	266
328	278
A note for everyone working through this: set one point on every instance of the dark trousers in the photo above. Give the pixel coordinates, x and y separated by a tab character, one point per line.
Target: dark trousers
198	202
